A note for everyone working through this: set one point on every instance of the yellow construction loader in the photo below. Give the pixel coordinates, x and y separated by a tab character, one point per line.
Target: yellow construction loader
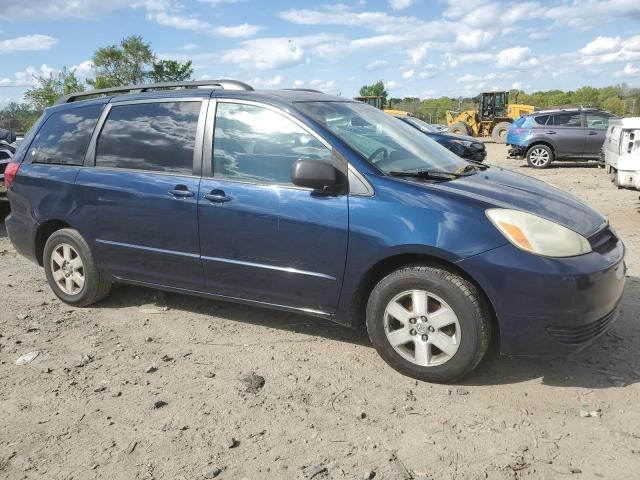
378	102
492	119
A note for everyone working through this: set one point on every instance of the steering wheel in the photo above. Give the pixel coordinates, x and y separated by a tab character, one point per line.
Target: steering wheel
379	151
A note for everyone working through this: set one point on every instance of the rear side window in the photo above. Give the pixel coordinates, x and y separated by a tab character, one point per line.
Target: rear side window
542	119
150	136
568	119
64	137
255	144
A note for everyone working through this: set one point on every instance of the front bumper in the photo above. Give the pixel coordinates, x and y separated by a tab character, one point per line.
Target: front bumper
516	151
476	155
547	306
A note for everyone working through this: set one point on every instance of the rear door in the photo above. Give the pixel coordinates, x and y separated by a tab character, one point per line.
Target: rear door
138	199
566	133
596	124
262	238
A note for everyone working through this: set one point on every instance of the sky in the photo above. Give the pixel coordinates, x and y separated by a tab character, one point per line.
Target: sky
421	48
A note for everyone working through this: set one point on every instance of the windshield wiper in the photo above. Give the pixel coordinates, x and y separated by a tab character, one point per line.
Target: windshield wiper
430	174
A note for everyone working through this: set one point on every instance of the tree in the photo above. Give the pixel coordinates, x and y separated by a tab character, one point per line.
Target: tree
18	117
50	88
126	64
375	90
171	71
613	105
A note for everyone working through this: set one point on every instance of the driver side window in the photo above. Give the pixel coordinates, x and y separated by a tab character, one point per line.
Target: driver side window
259	145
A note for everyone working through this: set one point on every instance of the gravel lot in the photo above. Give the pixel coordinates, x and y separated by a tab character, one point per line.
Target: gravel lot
150	385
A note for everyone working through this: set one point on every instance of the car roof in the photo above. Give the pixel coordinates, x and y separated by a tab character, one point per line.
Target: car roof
202	89
569	110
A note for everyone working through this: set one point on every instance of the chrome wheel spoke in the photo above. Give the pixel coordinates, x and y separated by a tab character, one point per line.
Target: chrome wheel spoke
422	353
419	302
57	258
58	275
442	318
66	252
78	279
76	264
399	337
68	284
444	342
398	312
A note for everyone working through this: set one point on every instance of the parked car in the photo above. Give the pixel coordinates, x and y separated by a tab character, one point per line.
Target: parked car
314	204
464	146
621	152
7	150
562	134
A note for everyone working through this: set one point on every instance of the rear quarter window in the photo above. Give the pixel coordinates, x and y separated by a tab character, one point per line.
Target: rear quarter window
64	137
542	119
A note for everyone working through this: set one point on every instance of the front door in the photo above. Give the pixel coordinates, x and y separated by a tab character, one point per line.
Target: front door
262	238
139	202
566	133
596	130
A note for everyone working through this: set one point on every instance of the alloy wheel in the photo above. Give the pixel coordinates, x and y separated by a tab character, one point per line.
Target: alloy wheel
539	157
67	269
422	328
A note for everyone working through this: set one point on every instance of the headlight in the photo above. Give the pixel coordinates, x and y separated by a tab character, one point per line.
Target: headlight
537	235
464	143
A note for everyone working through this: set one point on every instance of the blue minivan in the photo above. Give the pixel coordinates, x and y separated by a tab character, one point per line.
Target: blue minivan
316	204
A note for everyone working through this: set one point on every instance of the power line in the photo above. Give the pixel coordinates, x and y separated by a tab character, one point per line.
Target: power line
15	86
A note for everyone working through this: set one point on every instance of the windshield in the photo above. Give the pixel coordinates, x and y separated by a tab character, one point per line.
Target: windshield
421	124
389	144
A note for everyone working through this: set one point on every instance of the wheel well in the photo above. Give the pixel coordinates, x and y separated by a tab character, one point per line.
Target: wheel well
390	264
546	144
42	235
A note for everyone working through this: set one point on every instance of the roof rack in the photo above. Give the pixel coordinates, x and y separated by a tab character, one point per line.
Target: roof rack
311	90
224	84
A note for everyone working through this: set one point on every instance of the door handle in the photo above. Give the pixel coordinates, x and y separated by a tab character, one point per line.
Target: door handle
592	133
551	132
181	191
217	196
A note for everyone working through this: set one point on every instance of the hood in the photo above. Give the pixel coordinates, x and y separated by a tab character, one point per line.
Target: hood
505	189
454	136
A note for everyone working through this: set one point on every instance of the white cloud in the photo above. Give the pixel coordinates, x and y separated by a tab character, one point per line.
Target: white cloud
298	83
5	81
238	31
400	4
391	85
30	74
602	45
188	47
330	86
517	85
83	70
273	82
408	74
473	41
27	43
607	50
272	52
537	36
178	21
376	65
516	57
629	71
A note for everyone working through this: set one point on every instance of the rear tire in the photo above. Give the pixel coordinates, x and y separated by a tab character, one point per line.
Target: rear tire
539	156
438	321
499	132
460	128
71	270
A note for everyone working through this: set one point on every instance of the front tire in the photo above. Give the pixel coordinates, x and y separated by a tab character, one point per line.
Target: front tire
539	156
71	270
460	128
428	323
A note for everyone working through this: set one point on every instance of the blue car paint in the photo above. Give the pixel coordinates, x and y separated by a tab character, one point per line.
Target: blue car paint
519	132
401	216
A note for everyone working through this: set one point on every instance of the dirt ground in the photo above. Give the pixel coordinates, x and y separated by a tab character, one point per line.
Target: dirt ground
149	385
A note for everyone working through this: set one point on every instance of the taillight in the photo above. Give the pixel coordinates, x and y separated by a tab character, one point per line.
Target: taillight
10	173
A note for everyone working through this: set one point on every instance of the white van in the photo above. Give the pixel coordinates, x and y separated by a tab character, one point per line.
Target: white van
621	151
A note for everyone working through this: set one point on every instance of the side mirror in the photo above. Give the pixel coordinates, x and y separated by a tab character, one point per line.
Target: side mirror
312	173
